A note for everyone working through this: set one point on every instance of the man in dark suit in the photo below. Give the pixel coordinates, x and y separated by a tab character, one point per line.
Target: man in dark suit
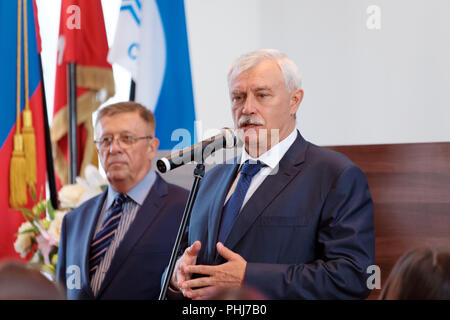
116	245
290	219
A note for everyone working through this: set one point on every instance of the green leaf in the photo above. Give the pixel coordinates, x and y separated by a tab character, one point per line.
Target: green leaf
50	210
32	230
26	211
32	191
27	214
49	267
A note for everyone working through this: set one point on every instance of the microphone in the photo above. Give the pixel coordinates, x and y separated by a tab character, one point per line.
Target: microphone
200	151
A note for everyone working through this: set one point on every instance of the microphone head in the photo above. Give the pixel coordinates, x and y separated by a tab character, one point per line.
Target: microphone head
226	139
163	165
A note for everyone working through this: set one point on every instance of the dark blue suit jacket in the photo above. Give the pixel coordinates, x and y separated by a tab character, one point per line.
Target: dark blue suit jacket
140	259
306	233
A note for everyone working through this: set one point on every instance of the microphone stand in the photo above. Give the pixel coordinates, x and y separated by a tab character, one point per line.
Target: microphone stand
199	172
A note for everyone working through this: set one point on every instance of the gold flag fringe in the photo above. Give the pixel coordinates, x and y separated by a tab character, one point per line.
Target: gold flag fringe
29	139
17	185
29	143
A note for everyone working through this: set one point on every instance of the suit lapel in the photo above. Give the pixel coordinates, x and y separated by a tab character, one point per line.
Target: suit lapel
90	223
223	183
144	218
289	167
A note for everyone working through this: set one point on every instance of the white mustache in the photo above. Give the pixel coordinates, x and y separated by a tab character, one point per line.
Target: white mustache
115	159
246	119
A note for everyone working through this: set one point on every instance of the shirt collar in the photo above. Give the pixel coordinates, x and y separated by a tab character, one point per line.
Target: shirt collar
138	193
272	157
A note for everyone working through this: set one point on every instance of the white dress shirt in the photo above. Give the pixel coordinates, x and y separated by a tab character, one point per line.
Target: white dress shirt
137	195
270	159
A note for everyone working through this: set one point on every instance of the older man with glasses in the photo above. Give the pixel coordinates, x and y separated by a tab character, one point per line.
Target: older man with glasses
116	245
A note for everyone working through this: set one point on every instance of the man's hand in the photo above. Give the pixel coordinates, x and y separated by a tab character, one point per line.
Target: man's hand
227	275
189	257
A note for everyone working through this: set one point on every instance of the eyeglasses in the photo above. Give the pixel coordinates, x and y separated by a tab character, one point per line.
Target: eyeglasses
124	141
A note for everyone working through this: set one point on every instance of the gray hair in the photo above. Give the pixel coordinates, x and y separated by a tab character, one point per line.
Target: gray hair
288	68
124	107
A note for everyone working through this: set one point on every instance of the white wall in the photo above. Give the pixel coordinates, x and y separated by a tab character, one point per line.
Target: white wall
361	86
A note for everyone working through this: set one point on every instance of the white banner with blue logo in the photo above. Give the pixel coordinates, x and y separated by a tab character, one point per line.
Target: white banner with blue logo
151	43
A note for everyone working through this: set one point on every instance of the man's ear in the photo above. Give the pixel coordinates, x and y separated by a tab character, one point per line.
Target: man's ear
296	99
153	147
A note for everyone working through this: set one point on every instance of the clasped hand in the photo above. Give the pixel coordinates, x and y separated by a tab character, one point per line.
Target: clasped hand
227	275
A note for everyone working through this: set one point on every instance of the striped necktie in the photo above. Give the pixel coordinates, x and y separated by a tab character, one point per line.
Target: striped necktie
106	234
234	204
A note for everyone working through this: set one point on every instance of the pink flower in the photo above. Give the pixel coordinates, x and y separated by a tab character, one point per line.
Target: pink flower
45	243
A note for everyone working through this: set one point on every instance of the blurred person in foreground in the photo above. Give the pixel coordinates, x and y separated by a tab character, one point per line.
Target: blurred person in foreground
289	218
22	282
116	245
420	274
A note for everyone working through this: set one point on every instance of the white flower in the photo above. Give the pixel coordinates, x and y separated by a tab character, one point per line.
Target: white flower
73	195
93	177
55	226
88	194
91	184
70	194
23	242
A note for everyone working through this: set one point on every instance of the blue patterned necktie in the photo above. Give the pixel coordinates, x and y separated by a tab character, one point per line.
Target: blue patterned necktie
103	238
234	204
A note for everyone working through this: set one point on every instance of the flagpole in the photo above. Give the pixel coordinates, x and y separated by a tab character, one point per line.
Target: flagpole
48	145
72	133
132	90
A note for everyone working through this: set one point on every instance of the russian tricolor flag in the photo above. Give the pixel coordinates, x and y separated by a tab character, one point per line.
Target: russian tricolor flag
11	219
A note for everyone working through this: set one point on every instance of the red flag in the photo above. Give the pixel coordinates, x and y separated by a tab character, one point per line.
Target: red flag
82	40
9	31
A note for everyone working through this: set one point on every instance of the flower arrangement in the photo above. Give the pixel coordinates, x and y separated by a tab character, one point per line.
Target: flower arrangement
38	237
